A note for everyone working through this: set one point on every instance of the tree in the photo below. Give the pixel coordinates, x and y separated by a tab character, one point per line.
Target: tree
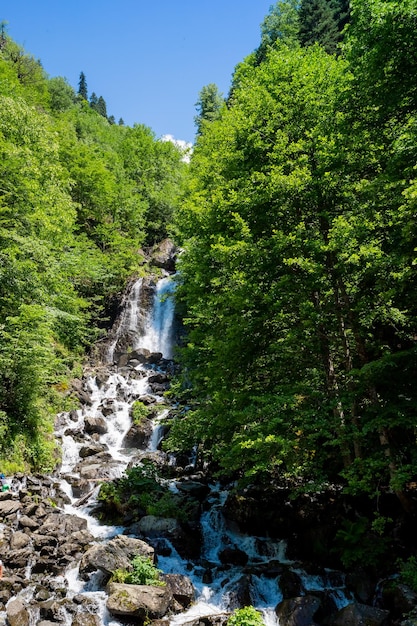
62	95
209	106
101	107
82	87
318	24
93	101
281	24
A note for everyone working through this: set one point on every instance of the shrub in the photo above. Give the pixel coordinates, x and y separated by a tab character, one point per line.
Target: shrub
139	411
248	616
143	572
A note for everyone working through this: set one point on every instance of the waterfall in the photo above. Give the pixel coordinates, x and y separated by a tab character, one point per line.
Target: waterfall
103	424
158	331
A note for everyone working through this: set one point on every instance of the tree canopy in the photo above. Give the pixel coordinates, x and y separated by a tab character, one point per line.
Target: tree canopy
79	198
297	281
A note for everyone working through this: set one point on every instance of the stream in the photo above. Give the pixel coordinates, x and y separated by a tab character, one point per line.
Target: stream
110	399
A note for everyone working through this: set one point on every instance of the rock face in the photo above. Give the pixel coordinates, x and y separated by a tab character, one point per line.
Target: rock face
164	255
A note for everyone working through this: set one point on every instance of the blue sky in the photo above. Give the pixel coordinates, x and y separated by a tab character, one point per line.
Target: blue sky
148	59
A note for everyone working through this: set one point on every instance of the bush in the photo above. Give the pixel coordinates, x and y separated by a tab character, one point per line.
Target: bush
248	616
139	412
143	572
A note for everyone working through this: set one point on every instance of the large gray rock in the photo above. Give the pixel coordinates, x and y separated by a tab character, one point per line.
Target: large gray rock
139	601
181	588
17	613
116	554
164	255
153	526
139	435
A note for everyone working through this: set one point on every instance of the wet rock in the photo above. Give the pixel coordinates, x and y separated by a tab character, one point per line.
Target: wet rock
298	611
193	488
290	584
164	255
397	598
139	435
86	619
91	449
181	588
139	601
233	556
95	425
357	614
152	526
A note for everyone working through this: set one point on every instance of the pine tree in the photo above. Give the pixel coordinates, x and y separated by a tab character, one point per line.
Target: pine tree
101	106
94	101
208	106
318	24
82	87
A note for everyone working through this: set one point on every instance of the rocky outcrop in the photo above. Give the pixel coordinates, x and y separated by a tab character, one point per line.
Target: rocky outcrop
164	255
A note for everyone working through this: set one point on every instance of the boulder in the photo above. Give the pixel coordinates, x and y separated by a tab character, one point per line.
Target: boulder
164	255
116	554
17	613
95	425
181	587
138	601
356	614
139	435
298	611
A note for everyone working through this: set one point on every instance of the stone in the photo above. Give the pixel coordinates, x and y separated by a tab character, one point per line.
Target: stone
17	613
138	600
116	554
356	614
298	611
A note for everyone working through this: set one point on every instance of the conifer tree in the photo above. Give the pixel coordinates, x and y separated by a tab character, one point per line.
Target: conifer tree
82	87
101	106
208	106
318	24
94	101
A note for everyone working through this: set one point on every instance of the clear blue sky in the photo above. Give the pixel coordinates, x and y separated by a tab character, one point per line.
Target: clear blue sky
149	59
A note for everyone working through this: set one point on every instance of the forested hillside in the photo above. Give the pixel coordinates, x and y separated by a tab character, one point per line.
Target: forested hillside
298	281
79	198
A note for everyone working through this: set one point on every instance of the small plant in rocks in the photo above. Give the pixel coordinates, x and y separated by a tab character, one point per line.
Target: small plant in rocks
144	572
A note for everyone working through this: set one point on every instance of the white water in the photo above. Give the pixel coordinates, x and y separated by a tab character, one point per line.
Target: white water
159	323
113	400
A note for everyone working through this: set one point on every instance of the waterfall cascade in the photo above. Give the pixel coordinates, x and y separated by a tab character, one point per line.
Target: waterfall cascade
93	445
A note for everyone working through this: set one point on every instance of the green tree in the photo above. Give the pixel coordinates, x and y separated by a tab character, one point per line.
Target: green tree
82	86
101	106
62	95
318	24
209	106
281	24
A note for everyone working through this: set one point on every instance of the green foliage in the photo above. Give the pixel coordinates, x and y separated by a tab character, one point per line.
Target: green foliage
408	572
143	492
143	572
360	543
247	616
209	106
140	411
296	282
74	214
